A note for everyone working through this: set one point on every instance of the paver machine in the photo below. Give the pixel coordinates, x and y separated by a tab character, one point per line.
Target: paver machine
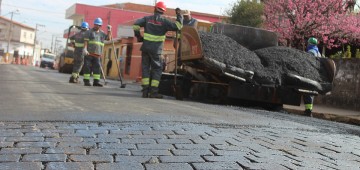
205	79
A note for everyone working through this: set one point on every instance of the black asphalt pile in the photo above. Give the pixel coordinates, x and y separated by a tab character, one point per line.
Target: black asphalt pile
225	50
283	60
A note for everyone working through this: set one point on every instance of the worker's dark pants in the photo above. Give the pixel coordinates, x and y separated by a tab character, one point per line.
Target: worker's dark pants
78	60
151	69
308	102
94	64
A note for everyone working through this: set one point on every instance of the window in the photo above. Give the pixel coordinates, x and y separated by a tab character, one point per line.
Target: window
24	34
30	36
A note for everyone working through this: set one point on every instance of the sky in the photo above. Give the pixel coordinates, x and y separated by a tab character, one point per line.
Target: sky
51	13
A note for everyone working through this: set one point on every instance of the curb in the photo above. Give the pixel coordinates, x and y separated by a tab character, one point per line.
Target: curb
353	120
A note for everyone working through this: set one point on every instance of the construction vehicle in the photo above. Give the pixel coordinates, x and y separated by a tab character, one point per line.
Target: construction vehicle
199	78
66	60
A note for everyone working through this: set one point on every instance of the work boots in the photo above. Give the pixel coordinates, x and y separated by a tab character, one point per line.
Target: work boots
307	112
97	83
145	91
154	93
73	80
87	82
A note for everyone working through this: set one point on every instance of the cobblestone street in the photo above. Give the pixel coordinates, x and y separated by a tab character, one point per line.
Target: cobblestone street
159	145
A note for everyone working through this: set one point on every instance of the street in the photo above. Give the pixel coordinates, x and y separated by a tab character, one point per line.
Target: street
48	123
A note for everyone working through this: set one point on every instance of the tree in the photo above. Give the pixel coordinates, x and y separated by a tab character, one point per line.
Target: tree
247	13
328	20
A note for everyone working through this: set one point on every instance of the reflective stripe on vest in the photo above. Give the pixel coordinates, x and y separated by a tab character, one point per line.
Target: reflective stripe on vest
136	27
155	38
79	44
96	42
178	25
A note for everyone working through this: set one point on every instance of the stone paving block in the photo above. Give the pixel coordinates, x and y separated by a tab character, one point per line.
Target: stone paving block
94	131
6	144
119	166
42	134
66	150
45	126
77	144
116	146
184	136
64	139
2	139
132	159
60	131
10	158
117	136
138	128
84	135
21	166
232	148
172	166
346	164
174	141
229	152
24	139
20	150
124	152
36	144
193	146
102	140
227	158
200	152
155	146
70	165
204	141
181	159
151	136
159	132
217	165
92	158
260	166
126	132
114	127
342	156
44	158
138	141
151	152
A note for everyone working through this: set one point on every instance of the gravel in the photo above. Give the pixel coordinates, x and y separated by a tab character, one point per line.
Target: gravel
270	65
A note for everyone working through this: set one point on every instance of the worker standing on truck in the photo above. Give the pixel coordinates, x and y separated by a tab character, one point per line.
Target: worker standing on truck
155	28
77	41
93	49
189	20
314	50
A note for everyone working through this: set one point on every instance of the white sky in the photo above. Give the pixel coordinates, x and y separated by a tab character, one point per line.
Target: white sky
51	13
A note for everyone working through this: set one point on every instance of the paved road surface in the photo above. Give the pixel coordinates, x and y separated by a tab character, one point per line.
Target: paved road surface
47	123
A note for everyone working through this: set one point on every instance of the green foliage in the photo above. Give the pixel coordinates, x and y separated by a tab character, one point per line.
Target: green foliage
246	13
338	55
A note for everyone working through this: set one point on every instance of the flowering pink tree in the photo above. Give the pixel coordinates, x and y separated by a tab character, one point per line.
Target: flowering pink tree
328	20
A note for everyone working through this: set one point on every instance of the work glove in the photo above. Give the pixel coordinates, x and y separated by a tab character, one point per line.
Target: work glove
109	27
85	51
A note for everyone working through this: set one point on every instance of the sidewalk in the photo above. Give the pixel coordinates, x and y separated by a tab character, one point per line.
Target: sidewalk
328	113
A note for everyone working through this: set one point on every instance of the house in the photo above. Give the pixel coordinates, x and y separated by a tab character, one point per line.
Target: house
16	39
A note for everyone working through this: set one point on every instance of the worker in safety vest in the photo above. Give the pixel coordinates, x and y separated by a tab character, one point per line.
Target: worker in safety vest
314	50
77	41
93	49
155	28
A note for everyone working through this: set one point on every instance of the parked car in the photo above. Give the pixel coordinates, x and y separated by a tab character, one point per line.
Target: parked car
47	60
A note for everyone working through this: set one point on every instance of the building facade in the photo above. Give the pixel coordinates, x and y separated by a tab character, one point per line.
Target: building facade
16	39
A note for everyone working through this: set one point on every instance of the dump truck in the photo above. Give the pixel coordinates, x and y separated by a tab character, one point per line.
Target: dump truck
263	78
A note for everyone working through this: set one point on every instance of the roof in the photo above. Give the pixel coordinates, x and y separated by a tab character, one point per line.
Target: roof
17	23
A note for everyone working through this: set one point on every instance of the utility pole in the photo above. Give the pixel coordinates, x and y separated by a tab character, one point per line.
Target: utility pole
0	6
36	29
10	31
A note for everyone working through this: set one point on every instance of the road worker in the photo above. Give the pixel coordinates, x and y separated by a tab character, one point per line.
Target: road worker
77	41
314	50
189	20
93	49
155	28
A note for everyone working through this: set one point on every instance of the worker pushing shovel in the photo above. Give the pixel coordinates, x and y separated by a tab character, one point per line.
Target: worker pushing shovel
93	49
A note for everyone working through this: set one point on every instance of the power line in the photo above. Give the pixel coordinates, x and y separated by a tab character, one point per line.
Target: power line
37	10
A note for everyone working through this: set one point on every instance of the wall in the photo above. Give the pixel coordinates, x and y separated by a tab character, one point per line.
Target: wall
346	88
